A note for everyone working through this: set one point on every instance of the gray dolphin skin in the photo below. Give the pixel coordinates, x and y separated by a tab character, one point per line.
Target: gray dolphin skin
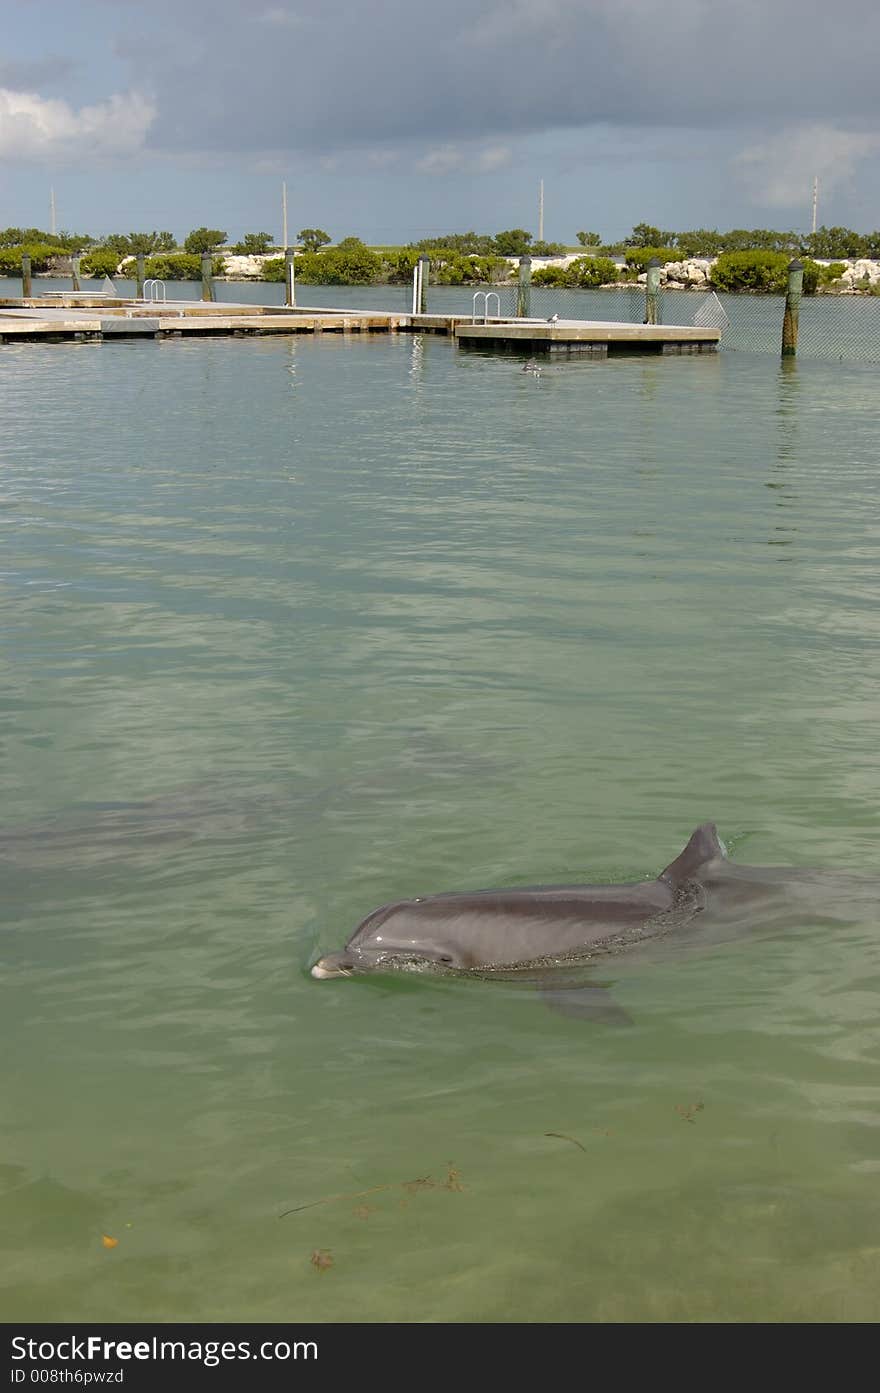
539	935
500	932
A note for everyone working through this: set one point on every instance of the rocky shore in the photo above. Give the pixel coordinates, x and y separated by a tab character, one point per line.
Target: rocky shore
858	278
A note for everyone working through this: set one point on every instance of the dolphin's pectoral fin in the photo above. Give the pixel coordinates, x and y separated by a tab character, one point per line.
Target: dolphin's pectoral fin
586	1003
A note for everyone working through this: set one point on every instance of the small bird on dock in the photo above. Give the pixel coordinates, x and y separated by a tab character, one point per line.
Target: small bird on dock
553	318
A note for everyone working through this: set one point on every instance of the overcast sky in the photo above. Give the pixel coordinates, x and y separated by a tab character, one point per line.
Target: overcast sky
397	119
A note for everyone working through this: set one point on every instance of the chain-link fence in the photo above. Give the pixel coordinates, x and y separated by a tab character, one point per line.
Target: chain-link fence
615	306
837	328
833	327
845	328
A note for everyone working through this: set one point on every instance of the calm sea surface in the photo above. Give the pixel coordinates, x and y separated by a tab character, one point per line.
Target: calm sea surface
292	627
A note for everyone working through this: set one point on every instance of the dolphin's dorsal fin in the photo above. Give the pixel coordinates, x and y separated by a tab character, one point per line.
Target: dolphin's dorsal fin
703	846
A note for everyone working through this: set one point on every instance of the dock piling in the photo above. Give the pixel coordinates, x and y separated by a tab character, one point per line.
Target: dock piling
207	279
524	288
791	317
139	275
27	287
424	271
74	272
289	278
652	291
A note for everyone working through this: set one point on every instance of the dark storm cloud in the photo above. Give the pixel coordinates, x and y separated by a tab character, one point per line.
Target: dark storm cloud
329	74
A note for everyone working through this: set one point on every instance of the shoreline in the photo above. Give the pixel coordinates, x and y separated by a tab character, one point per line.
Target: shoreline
667	285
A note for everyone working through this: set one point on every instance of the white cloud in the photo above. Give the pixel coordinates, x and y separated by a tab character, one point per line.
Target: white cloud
279	18
778	172
446	159
494	157
383	159
443	160
43	128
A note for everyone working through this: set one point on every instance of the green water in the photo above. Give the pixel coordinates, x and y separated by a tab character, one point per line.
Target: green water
294	627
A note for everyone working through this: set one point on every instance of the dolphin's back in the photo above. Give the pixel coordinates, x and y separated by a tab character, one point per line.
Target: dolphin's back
518	926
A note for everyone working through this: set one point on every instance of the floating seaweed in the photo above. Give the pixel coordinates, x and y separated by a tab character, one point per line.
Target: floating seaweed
328	1199
453	1178
687	1111
563	1136
412	1187
321	1259
422	1182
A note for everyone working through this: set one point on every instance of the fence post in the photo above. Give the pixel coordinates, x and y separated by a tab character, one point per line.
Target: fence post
652	291
424	269
524	288
792	308
139	276
289	278
207	280
74	273
26	283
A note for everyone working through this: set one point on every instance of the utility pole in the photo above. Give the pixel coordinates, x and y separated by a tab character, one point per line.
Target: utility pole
284	214
53	220
815	200
541	211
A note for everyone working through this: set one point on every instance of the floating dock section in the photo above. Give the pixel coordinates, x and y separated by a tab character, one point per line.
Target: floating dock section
97	316
593	337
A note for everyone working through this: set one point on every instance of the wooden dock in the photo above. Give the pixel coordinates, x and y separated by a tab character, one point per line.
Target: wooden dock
95	316
98	318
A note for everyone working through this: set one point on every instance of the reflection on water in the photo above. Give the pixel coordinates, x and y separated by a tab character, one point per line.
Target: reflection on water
299	627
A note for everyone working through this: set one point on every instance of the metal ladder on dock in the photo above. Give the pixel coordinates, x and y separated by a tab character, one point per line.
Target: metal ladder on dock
486	296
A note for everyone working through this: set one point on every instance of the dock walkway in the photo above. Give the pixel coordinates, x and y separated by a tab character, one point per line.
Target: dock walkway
96	316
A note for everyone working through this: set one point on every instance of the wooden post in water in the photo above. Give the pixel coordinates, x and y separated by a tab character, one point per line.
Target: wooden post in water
792	308
140	265
207	280
424	269
74	273
289	278
524	288
652	291
26	283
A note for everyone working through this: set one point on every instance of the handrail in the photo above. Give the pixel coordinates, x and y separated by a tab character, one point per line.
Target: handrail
486	296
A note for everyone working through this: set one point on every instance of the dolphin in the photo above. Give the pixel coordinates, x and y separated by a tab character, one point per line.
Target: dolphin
538	935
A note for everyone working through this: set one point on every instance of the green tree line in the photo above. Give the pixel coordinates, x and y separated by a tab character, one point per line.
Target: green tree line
755	260
825	243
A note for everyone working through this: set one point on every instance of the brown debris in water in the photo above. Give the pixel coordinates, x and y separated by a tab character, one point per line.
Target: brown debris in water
687	1111
328	1199
422	1182
321	1259
412	1187
453	1178
563	1136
